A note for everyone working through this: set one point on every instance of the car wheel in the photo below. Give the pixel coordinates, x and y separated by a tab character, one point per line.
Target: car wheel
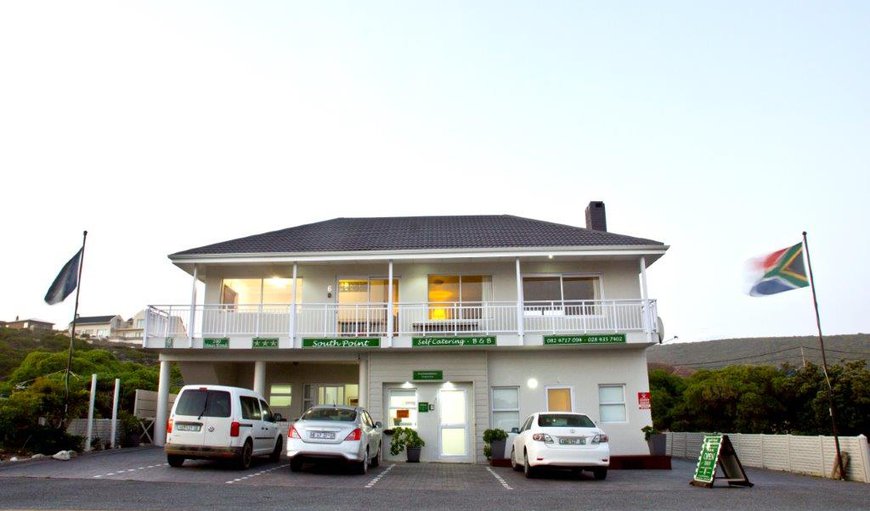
514	465
376	461
362	467
175	461
296	464
247	454
527	467
276	454
599	473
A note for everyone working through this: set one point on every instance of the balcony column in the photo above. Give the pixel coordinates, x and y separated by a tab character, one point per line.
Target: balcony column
190	327
389	313
520	300
363	393
260	377
162	414
647	324
292	331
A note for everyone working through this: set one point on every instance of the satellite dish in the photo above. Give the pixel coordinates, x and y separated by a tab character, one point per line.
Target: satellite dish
660	329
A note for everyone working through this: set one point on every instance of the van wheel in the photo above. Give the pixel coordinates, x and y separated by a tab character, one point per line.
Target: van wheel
244	461
276	454
296	464
599	473
175	461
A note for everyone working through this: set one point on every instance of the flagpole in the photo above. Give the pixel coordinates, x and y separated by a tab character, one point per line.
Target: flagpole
72	334
832	409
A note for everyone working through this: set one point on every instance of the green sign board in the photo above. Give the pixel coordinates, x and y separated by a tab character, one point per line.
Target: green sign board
584	339
169	342
429	375
264	342
431	342
422	407
220	342
341	342
706	469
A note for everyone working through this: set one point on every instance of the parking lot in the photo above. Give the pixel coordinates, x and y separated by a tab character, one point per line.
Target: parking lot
428	486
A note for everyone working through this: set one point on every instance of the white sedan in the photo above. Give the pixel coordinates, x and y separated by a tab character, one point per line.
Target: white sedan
560	439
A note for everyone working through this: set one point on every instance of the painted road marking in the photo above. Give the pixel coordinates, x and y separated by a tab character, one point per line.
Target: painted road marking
123	471
499	478
380	476
257	474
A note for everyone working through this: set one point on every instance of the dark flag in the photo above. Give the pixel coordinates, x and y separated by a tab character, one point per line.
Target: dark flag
66	282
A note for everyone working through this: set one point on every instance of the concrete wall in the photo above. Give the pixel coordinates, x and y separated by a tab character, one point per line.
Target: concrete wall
812	455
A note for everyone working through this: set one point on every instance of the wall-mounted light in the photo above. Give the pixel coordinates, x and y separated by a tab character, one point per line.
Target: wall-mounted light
532	383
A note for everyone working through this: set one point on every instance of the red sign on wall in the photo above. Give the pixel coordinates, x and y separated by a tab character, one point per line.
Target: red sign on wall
643	400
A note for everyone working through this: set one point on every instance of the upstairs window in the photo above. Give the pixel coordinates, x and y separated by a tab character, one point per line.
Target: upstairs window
561	294
271	291
458	296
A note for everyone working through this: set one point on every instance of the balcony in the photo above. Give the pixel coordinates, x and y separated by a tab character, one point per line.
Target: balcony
331	320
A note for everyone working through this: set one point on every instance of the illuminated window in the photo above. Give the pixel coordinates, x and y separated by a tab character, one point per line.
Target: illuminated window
281	395
458	296
274	290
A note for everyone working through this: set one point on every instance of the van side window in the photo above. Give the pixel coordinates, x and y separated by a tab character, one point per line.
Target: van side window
250	408
267	412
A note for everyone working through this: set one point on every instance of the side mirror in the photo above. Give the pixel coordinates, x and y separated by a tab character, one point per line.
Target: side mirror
277	417
379	425
515	430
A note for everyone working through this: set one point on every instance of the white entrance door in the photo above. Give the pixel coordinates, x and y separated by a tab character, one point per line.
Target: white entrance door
454	442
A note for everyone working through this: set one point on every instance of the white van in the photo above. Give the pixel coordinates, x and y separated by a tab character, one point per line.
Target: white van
219	422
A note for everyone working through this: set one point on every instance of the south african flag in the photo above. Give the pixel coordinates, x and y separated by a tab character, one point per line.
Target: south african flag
780	271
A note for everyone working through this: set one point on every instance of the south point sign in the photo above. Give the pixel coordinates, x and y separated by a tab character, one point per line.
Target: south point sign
342	343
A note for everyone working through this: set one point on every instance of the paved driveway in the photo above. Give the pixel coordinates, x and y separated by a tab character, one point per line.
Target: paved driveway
131	472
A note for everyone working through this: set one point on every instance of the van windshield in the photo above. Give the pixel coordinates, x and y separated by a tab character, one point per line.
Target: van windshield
204	403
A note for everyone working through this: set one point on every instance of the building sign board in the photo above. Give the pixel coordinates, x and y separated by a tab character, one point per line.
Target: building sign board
584	339
341	342
264	342
643	401
717	451
435	375
433	342
422	407
216	342
169	342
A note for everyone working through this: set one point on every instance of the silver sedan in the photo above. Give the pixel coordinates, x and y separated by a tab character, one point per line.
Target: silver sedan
344	433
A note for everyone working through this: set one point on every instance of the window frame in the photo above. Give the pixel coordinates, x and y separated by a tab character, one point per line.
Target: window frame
559	306
612	403
494	410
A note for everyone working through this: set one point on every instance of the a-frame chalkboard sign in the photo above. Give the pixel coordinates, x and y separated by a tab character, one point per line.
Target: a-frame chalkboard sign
718	451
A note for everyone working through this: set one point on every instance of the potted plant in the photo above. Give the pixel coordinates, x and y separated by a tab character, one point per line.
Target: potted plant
656	440
408	440
493	443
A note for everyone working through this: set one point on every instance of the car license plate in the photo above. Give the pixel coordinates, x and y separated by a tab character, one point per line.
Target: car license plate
188	427
572	441
322	435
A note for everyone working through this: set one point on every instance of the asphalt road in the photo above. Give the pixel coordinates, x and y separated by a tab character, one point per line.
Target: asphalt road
139	479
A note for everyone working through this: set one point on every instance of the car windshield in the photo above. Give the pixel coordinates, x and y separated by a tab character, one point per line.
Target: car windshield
564	420
204	403
329	414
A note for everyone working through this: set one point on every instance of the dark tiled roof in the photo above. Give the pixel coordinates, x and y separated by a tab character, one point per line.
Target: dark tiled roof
417	233
82	320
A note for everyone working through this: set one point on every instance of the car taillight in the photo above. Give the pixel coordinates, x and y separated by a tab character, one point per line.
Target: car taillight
292	433
542	437
600	438
169	426
234	428
354	435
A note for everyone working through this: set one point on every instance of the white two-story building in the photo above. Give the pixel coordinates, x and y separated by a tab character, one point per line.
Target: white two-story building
450	325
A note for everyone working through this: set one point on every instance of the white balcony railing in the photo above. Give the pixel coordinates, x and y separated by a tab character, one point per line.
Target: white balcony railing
409	319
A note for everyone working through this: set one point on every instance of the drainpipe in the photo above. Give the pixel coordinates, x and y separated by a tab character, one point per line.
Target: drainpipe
190	331
389	312
520	326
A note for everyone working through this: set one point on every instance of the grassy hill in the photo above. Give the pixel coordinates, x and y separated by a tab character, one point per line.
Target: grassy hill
759	351
16	344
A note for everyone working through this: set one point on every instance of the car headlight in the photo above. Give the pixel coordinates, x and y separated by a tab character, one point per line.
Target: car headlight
600	438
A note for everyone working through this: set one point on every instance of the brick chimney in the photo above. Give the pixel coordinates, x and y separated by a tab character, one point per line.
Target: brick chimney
596	219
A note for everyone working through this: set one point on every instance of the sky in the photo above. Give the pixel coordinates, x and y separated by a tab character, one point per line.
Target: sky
722	129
